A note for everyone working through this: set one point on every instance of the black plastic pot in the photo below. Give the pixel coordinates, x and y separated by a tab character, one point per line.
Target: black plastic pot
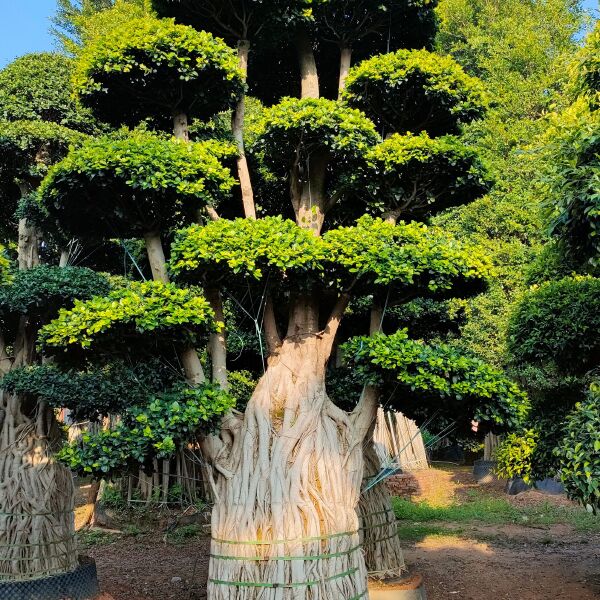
80	584
483	471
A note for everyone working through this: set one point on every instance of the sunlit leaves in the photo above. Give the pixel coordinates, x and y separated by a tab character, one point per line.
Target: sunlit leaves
156	430
293	129
409	256
417	174
425	378
153	68
141	308
127	185
415	90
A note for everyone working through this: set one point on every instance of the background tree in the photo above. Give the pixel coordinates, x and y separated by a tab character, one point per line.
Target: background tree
553	336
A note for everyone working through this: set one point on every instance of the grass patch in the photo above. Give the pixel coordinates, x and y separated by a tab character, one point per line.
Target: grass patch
478	508
183	534
417	532
89	538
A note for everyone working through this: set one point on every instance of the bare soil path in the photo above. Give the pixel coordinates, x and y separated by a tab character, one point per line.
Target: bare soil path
475	560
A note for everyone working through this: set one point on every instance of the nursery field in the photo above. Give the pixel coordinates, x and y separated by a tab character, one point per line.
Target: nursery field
470	542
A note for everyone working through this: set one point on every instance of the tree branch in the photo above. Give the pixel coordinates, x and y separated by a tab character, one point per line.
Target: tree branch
334	320
272	336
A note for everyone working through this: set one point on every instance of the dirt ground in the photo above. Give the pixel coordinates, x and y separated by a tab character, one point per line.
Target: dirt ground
484	562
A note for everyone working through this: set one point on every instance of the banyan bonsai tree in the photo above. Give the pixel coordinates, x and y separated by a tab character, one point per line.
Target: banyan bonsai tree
39	121
287	473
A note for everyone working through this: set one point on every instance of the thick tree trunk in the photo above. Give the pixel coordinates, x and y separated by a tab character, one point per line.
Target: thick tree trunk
237	127
28	245
345	63
381	544
37	531
284	524
308	65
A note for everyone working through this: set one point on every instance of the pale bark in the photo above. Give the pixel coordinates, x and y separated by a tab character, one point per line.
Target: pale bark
190	361
383	552
217	344
293	475
272	336
345	62
5	359
28	245
309	196
65	255
308	66
37	532
237	127
156	257
181	127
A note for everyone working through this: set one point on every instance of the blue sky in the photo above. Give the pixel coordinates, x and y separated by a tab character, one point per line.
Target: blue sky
25	24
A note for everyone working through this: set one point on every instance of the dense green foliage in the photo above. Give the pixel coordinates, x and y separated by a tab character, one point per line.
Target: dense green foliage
151	307
415	91
169	421
573	178
579	452
43	290
408	256
426	379
515	454
178	68
28	148
125	186
416	174
252	248
94	393
558	322
289	132
37	87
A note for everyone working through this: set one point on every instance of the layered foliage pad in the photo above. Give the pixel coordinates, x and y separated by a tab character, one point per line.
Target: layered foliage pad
419	175
37	87
579	452
154	68
41	291
150	308
415	90
558	322
127	185
28	148
425	379
93	393
169	421
250	248
410	257
295	128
